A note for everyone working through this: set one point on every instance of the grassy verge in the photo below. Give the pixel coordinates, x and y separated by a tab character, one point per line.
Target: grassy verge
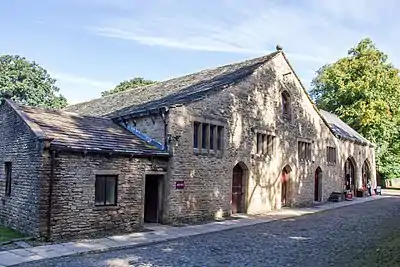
8	234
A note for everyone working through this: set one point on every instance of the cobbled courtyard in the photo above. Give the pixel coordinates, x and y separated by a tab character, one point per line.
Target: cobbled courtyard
340	237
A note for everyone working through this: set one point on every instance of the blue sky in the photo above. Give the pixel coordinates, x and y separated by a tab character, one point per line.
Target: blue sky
91	45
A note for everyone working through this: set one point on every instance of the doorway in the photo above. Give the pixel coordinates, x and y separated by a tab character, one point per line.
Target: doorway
349	170
318	185
366	174
237	190
153	198
285	177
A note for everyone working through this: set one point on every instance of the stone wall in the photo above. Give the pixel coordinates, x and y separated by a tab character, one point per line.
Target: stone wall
74	213
391	183
252	106
19	146
152	126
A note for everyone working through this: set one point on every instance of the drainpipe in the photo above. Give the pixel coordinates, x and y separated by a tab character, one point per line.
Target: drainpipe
50	196
163	113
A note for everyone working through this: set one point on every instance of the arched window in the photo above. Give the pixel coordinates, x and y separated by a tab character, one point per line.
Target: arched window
286	104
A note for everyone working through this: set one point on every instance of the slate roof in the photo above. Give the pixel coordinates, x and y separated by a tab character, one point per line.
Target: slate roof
340	128
79	132
175	91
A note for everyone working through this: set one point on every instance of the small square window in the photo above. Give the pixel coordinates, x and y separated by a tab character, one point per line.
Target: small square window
106	190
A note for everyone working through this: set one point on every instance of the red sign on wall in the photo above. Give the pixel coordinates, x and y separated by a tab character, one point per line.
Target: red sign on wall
180	185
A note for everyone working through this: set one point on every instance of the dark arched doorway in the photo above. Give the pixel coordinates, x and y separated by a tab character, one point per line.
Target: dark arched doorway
349	170
318	185
366	174
238	189
285	180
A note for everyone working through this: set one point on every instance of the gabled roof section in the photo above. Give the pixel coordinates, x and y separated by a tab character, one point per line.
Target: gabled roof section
72	131
337	127
343	130
175	91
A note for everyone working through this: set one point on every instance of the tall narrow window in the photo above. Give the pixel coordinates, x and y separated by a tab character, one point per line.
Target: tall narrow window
212	139
259	143
331	155
220	137
196	128
8	172
106	190
204	128
264	139
285	104
304	151
270	144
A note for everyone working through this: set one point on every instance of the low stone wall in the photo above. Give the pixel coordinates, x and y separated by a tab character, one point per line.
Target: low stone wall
392	183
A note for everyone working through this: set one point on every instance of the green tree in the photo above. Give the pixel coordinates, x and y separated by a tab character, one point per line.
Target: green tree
28	83
125	85
363	89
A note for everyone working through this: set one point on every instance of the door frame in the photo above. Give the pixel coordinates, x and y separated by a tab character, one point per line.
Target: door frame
161	207
318	184
287	183
245	173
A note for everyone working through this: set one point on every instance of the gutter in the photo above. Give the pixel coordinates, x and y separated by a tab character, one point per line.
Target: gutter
50	196
140	113
137	154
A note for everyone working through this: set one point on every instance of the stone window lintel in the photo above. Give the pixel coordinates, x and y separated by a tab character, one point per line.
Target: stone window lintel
107	172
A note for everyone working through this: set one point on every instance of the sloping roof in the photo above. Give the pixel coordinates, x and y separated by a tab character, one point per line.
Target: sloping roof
340	128
73	131
175	91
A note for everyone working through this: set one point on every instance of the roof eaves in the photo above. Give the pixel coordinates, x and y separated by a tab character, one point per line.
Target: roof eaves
134	153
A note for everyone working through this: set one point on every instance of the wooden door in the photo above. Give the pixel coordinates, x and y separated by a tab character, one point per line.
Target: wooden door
151	201
318	185
237	190
285	188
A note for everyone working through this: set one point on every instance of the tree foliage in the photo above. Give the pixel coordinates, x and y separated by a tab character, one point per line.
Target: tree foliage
363	89
29	83
130	84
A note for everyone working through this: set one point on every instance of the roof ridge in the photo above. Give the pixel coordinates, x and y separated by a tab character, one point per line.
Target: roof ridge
61	111
267	57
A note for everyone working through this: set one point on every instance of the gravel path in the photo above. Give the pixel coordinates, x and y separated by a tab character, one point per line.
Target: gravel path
332	238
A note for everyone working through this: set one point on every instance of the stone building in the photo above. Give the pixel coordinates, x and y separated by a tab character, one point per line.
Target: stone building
241	138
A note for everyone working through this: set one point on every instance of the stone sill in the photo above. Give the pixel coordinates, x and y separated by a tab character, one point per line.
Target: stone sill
262	157
212	153
100	208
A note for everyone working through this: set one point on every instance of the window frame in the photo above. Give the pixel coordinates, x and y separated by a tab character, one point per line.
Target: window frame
220	137
264	143
104	202
8	176
196	135
208	137
331	155
304	151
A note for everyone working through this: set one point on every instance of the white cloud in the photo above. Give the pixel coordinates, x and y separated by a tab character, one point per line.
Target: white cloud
314	31
80	88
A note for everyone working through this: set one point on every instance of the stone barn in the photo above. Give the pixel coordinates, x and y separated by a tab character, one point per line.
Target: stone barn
240	138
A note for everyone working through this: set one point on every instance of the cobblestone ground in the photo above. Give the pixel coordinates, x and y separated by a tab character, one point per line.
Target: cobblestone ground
333	238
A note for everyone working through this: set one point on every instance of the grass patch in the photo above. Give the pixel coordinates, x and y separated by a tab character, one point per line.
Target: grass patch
385	255
7	234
